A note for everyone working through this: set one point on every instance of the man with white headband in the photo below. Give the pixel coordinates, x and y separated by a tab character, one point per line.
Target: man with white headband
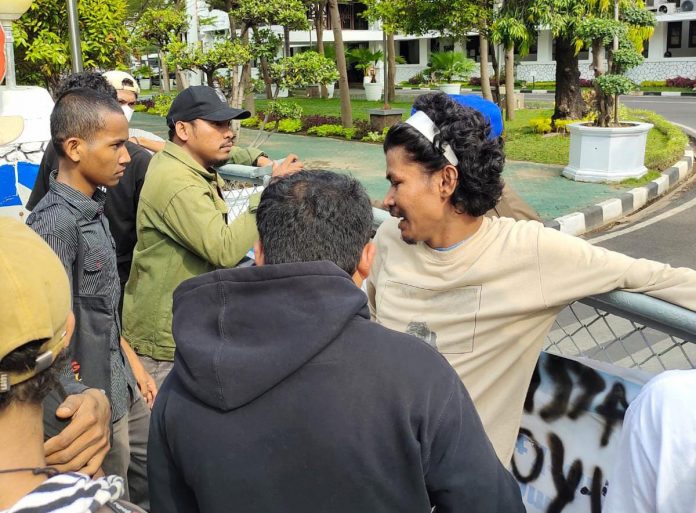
483	291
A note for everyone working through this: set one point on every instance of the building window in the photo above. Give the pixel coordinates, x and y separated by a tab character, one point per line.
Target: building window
410	51
692	34
350	15
674	34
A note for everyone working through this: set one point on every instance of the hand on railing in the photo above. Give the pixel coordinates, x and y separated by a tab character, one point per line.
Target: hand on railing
291	164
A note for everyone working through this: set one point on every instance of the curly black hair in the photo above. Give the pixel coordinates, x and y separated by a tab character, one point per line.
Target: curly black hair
35	389
481	159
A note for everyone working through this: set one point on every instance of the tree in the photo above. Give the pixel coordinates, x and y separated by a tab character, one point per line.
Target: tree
449	17
563	17
159	28
221	54
625	26
42	45
514	29
346	111
246	16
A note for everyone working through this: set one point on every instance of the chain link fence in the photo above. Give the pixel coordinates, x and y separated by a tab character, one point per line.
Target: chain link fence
629	330
621	328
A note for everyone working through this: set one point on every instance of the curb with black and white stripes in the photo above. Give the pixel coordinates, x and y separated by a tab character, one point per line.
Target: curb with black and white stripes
608	211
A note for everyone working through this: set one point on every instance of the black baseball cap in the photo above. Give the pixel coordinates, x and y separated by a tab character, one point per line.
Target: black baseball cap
202	102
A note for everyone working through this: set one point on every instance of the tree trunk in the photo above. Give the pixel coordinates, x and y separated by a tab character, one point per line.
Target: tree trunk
346	112
603	102
485	75
319	9
569	102
266	74
247	91
164	83
286	41
209	77
496	77
510	82
391	66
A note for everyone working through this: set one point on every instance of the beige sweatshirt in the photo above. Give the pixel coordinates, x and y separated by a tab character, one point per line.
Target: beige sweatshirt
488	304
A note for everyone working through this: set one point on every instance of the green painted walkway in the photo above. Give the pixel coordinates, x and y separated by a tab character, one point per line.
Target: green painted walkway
541	185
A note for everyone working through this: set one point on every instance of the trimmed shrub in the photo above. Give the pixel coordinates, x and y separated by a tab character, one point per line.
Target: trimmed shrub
681	82
313	120
332	131
251	122
162	104
666	155
653	83
139	107
289	126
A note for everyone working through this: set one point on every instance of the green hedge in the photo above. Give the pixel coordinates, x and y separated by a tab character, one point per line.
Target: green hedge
664	153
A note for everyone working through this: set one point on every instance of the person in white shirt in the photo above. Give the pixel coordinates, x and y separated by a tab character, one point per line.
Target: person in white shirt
655	469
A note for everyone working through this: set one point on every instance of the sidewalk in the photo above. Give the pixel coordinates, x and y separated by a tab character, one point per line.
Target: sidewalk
541	185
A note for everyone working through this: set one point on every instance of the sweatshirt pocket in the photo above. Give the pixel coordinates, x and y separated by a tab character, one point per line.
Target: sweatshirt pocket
445	319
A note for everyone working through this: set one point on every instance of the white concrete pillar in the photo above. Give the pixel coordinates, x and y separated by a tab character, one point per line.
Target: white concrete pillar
423	51
545	46
658	42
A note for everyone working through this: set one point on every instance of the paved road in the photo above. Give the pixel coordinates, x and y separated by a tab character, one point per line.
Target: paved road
665	231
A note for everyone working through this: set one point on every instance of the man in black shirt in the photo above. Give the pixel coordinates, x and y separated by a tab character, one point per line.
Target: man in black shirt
122	199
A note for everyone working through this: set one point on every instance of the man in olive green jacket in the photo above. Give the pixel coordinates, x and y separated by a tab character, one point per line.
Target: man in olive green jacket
182	221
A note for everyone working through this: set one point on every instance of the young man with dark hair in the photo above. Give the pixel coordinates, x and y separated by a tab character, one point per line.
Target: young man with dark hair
88	132
35	327
122	199
286	397
483	291
182	221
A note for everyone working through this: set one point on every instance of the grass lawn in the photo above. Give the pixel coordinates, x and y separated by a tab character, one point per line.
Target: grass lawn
332	107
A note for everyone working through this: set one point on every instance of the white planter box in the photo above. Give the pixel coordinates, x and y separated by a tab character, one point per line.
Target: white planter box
330	89
145	83
283	93
607	154
367	79
373	92
450	88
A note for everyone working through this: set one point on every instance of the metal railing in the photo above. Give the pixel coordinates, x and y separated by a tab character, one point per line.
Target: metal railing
621	328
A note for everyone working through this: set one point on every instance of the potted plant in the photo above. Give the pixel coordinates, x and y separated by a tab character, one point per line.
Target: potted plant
329	76
611	150
366	60
450	66
144	76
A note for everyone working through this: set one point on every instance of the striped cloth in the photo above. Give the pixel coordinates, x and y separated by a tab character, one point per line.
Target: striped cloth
55	218
70	493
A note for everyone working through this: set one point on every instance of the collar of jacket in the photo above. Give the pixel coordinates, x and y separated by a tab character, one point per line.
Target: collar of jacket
185	158
88	207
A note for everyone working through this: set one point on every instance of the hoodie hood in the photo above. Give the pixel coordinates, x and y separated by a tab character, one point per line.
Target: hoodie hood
234	328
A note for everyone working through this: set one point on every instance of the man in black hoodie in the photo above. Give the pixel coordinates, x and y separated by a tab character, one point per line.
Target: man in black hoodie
286	397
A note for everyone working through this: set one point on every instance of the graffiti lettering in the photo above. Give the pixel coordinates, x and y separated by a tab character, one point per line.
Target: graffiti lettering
538	459
613	409
589	381
565	485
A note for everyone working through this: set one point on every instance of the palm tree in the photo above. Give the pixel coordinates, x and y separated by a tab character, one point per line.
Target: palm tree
365	60
449	66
